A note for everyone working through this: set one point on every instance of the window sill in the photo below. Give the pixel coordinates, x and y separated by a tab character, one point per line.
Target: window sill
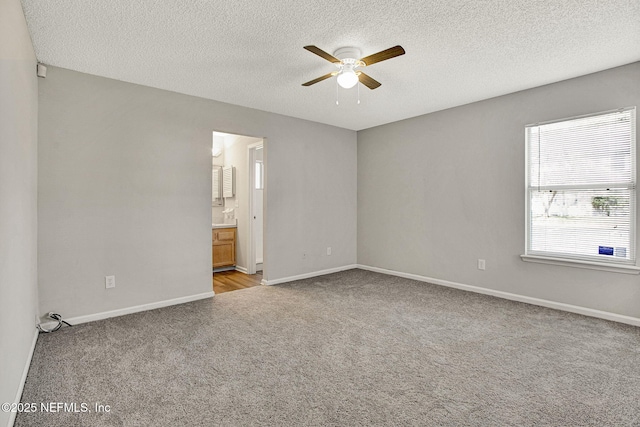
614	268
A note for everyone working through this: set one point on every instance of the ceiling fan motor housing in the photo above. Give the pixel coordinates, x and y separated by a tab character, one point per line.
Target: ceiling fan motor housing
349	55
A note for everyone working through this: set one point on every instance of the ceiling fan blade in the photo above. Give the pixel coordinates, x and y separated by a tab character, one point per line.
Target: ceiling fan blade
392	52
321	53
368	81
319	79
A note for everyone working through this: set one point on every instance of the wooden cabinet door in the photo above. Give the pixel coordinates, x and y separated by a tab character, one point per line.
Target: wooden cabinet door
224	254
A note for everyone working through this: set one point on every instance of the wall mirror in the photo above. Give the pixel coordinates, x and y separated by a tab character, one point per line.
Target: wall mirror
217	186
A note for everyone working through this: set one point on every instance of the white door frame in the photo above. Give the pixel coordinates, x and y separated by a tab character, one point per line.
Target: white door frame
251	242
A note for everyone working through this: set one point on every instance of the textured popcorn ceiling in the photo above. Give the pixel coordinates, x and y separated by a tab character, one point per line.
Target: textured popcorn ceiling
250	52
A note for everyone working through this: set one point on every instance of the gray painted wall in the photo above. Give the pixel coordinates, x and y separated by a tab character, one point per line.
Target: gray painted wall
18	198
439	191
125	189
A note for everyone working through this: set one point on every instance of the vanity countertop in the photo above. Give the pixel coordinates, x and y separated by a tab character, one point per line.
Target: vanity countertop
214	226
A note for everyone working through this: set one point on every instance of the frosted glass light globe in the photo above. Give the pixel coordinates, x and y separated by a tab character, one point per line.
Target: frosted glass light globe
347	78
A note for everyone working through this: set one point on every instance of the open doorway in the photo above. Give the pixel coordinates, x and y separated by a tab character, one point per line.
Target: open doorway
237	211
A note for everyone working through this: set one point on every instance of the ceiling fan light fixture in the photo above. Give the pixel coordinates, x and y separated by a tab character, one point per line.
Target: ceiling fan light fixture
347	78
345	59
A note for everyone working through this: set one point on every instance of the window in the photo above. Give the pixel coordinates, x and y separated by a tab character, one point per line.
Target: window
581	180
259	175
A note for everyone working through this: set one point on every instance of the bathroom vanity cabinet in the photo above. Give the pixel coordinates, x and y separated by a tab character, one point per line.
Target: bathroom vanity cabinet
224	247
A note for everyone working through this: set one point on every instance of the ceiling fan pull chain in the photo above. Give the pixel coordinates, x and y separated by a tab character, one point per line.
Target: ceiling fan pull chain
337	103
358	94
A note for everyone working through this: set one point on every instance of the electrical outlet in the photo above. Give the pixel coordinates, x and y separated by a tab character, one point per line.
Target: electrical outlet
482	264
110	282
329	250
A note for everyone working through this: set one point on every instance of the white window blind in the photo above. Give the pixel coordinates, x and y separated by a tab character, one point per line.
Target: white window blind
581	180
228	181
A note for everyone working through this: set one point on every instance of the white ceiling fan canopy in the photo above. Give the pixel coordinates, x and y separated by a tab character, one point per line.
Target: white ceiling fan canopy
348	54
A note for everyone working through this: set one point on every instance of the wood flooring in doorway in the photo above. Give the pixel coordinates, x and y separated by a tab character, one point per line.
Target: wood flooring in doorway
227	281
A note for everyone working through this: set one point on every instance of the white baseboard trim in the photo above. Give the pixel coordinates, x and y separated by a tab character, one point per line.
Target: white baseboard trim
134	309
242	269
513	297
23	379
308	275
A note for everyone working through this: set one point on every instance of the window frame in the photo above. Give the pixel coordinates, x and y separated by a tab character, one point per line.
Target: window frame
612	265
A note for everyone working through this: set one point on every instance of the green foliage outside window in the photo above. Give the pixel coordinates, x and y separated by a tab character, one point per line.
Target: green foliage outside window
605	204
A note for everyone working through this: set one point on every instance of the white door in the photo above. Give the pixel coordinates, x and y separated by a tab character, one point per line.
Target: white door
258	195
256	208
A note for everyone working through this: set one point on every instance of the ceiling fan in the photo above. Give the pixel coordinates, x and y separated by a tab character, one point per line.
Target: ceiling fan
346	60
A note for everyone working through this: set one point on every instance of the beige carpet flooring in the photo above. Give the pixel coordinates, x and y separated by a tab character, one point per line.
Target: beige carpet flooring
349	349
